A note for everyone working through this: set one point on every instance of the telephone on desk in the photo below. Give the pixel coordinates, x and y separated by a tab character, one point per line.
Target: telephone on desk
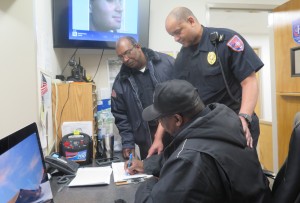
68	167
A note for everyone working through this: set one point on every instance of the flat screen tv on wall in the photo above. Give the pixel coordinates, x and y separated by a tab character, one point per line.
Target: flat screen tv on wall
97	24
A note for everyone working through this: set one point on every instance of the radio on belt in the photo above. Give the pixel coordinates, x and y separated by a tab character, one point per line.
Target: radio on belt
78	147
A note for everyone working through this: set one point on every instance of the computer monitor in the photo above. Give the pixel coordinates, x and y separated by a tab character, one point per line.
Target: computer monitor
23	176
79	23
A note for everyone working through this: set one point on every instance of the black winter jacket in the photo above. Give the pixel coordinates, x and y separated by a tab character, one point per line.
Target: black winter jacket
208	162
126	106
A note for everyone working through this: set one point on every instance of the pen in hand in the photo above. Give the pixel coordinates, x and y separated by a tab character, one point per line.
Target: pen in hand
129	161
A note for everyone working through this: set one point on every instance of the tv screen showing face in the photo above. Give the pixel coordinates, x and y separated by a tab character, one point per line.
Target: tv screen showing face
99	23
23	176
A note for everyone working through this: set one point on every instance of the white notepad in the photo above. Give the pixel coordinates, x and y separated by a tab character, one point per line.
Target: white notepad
120	176
92	176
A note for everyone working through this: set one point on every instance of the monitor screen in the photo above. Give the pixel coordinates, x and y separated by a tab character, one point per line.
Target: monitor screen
23	176
99	23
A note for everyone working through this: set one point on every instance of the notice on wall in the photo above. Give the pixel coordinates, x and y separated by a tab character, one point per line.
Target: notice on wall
81	126
46	111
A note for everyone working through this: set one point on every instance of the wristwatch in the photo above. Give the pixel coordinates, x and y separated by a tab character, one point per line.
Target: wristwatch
247	117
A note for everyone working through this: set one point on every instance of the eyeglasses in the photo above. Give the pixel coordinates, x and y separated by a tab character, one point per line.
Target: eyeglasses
126	53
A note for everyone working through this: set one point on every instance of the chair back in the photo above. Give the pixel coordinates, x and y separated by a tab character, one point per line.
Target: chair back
286	187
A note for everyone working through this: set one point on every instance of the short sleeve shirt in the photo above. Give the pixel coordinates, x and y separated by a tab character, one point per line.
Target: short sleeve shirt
238	60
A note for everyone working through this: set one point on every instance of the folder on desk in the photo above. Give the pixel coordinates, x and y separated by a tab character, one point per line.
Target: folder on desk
92	176
122	178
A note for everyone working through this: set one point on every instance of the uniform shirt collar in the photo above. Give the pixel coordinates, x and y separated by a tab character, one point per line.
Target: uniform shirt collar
204	41
204	44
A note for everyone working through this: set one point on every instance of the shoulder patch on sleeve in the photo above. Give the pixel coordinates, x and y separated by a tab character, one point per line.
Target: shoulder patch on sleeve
236	44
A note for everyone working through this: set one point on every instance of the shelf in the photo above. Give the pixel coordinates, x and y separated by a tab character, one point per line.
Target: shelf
289	94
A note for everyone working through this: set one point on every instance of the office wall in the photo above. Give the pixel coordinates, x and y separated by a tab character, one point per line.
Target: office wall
262	42
48	59
159	39
26	48
18	83
200	10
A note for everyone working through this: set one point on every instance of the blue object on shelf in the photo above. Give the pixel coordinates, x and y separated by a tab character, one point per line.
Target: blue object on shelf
103	104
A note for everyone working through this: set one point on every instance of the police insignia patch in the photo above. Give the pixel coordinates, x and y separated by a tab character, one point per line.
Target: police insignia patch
236	44
296	30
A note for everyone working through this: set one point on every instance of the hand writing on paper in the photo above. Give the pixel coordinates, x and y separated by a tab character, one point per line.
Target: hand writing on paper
130	160
136	166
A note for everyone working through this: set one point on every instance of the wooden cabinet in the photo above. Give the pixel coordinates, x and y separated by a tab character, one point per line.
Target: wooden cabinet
73	102
287	86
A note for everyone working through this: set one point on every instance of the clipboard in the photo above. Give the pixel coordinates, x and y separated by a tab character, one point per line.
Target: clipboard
122	178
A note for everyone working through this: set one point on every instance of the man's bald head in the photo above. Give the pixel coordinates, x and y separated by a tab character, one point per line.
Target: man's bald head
181	14
182	24
127	40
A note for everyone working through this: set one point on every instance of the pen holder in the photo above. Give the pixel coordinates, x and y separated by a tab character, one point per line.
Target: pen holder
108	143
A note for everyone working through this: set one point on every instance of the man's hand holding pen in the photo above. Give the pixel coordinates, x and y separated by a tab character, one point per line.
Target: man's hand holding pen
129	161
134	166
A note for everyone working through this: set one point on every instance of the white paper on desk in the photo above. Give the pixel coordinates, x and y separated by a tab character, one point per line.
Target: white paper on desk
92	176
120	175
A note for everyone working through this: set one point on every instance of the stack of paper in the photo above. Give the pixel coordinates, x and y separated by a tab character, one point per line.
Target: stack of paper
92	176
121	177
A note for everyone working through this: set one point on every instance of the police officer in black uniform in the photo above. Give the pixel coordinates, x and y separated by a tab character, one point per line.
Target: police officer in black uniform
220	63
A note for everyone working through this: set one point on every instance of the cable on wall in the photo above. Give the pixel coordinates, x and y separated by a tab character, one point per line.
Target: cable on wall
58	126
98	64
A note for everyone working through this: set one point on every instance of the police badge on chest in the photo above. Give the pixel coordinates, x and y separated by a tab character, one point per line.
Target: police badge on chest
211	58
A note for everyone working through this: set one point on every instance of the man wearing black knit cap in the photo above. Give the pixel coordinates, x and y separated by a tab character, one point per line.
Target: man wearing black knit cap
208	160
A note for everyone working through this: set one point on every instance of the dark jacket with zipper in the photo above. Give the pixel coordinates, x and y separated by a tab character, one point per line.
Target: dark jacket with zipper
126	105
208	162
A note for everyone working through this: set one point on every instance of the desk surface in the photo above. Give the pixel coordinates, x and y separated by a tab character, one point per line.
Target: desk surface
92	194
